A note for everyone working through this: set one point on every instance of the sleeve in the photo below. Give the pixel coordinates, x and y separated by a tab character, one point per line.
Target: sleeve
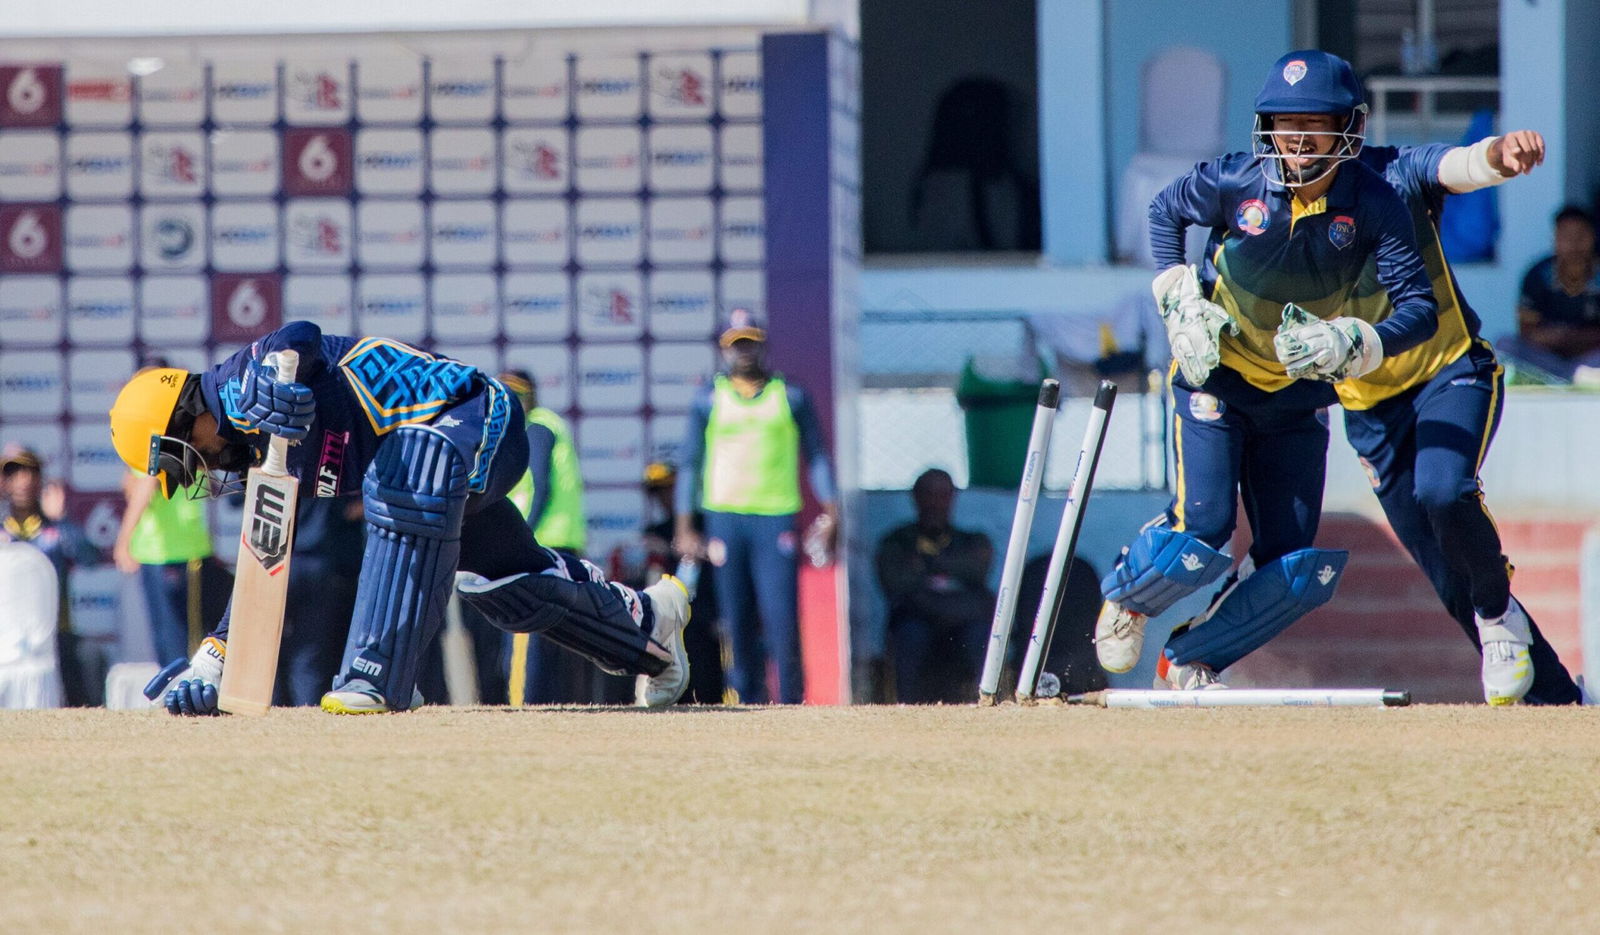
300	336
1416	169
900	569
541	442
1194	198
692	455
1416	314
818	471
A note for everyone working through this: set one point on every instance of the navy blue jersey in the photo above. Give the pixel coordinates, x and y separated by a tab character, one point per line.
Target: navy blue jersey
1267	249
365	388
1549	301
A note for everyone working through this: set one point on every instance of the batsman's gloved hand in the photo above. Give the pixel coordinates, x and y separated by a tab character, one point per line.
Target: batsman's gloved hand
1336	349
283	409
190	687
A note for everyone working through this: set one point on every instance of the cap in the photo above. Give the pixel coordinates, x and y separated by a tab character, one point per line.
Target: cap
19	456
741	327
517	381
659	473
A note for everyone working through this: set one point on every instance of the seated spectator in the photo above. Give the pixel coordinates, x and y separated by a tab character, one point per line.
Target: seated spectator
933	579
1558	315
1072	656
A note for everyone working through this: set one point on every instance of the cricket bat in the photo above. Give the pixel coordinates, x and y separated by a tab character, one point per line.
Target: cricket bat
261	580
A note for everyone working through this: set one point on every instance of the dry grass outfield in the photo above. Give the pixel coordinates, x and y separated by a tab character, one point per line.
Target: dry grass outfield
1429	819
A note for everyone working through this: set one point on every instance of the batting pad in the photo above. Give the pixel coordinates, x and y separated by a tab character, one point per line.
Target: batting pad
1260	607
1162	567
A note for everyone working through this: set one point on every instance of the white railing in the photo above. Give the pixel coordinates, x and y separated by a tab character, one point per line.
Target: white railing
1426	88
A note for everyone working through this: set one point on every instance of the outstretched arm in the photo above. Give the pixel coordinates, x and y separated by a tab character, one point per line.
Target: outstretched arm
1491	161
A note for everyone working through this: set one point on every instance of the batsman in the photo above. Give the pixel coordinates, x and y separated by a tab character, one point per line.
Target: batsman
432	446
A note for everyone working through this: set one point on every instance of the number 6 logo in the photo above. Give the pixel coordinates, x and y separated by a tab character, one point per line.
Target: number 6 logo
247	308
28	238
26	94
318	162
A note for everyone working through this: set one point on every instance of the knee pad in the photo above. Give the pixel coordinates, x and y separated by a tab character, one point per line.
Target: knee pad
602	622
1260	607
415	492
1162	567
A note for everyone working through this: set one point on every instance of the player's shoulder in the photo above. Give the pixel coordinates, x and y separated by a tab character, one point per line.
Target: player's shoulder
1232	170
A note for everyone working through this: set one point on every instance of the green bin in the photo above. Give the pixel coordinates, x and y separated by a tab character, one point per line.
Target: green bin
998	409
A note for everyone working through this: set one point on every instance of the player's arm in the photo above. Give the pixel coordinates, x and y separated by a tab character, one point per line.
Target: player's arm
818	469
137	489
1193	323
541	444
1194	198
253	399
1490	161
686	540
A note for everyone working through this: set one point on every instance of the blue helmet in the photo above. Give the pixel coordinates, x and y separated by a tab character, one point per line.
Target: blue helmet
1309	82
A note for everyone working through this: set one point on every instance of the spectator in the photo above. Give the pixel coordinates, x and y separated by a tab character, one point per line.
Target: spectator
747	434
1072	657
1558	314
33	512
933	579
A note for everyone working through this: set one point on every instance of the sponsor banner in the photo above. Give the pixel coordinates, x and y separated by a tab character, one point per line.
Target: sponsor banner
607	87
244	92
30	238
683	304
551	368
96	591
389	89
172	164
317	162
607	159
99	165
100	310
678	372
174	310
97	377
681	231
681	158
535	160
742	231
485	357
99	515
462	233
244	235
390	234
742	288
538	306
739	158
172	236
615	515
245	306
30	166
610	306
31	385
465	307
31	310
30	95
739	85
393	305
95	464
461	90
325	301
316	93
611	449
317	234
462	161
610	377
99	237
244	163
680	86
389	162
665	437
534	232
534	88
609	231
98	94
172	95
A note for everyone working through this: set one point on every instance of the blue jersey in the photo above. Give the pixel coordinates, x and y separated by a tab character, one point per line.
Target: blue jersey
1413	172
1267	249
364	388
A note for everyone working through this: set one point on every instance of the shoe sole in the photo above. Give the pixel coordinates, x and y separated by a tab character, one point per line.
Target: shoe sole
332	705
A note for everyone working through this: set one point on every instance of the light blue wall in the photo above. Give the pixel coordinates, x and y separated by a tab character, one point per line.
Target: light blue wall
1073	177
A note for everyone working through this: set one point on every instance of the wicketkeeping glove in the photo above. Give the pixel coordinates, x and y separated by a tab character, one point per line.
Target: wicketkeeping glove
190	688
1332	350
1193	323
277	408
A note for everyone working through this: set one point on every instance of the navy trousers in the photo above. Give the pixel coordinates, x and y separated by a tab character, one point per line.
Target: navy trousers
758	596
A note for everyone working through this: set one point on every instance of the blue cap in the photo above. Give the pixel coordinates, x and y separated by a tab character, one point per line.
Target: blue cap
1310	82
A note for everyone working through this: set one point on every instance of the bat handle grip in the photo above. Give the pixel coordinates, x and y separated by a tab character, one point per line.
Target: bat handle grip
287	363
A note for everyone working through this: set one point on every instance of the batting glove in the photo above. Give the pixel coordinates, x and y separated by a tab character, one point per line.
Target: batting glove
190	688
283	409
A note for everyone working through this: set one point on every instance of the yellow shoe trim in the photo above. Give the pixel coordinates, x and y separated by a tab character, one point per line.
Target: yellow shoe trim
333	705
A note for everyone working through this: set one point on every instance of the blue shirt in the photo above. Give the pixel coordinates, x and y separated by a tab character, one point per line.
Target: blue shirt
1266	249
1543	294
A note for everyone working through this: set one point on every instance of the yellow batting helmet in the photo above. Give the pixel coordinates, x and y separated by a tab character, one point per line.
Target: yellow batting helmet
141	415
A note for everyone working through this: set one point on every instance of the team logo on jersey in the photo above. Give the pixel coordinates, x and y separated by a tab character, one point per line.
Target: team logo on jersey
1372	473
1205	407
1253	216
1342	232
1294	71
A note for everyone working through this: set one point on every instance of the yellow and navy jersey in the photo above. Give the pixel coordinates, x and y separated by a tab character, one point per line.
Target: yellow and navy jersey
1413	172
1267	249
364	389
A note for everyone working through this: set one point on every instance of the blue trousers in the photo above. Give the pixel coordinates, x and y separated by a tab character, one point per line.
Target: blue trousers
758	595
166	596
1423	449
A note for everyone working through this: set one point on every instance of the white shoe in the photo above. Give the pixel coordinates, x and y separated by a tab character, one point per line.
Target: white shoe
359	696
1193	676
670	601
1118	637
1507	666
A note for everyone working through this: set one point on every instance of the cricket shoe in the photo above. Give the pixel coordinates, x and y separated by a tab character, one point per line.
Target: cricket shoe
670	601
1118	637
1507	665
1193	676
359	696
